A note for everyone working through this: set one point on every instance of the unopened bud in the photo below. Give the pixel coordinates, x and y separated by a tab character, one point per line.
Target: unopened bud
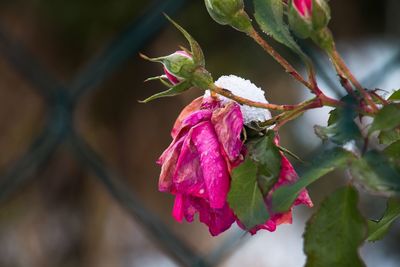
308	17
229	12
178	66
321	14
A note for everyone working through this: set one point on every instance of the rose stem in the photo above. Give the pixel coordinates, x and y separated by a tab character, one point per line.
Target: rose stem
286	65
344	71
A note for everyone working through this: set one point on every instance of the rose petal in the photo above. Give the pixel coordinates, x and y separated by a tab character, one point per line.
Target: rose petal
188	176
178	209
189	109
218	220
304	7
288	176
168	165
172	78
213	165
228	124
304	199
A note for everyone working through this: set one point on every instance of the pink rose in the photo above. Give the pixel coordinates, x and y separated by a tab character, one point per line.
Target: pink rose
196	166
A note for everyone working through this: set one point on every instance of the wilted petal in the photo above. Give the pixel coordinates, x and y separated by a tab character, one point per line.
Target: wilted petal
218	220
178	209
213	165
288	176
304	199
270	225
168	162
228	124
189	109
188	176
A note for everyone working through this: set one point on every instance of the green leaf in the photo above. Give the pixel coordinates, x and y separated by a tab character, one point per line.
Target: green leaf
269	16
387	118
173	91
268	158
334	234
333	116
395	96
245	197
393	151
327	161
378	229
197	53
375	171
342	127
388	137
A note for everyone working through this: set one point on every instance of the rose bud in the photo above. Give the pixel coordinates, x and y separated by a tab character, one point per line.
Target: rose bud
177	65
308	17
196	166
229	12
184	69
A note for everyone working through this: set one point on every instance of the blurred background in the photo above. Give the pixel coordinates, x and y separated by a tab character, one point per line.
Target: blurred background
78	179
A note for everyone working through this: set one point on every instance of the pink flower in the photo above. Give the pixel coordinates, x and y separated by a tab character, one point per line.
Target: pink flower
196	166
303	7
287	176
174	79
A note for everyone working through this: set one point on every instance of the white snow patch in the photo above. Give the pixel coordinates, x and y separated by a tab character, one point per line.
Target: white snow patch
246	89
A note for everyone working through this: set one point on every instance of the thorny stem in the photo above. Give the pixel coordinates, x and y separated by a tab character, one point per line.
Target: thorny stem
283	62
285	117
381	99
344	71
289	113
311	84
344	81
